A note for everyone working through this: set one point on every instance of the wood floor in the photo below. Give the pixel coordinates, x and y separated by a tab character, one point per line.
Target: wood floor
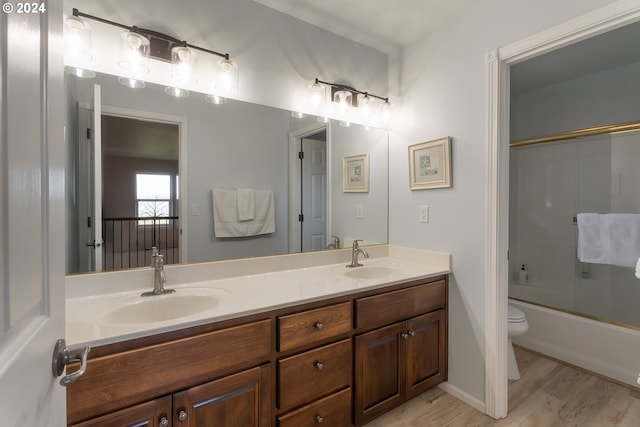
547	394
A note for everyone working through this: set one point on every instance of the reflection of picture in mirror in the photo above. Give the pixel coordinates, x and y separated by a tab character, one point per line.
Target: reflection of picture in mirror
356	174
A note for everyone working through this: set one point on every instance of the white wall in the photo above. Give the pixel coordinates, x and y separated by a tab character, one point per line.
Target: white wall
598	99
441	81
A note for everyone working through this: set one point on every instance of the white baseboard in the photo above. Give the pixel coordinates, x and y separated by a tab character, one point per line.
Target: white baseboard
465	397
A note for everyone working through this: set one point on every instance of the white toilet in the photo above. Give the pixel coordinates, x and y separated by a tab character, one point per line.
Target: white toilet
517	326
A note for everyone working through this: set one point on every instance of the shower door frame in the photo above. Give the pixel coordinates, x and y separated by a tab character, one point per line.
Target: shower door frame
498	62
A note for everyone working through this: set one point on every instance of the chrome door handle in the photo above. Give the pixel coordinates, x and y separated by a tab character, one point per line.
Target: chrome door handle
62	355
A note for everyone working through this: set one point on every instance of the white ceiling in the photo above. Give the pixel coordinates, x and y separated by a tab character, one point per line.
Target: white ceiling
385	25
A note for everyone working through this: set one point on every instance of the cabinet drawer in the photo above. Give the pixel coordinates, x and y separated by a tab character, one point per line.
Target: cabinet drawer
332	411
311	326
309	375
392	306
116	381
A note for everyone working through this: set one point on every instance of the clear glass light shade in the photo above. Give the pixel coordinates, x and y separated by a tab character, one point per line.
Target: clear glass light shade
317	96
215	99
176	92
184	65
134	53
344	99
77	40
226	76
132	83
386	110
364	106
80	72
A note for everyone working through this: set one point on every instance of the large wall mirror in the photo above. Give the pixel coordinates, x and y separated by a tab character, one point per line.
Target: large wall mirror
146	172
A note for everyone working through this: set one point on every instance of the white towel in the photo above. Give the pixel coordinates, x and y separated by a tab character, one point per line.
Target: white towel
638	269
226	222
246	204
609	238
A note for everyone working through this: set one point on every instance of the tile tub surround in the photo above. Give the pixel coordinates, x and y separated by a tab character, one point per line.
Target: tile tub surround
274	282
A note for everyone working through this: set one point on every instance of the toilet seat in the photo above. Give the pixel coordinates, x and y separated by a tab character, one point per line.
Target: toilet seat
516	315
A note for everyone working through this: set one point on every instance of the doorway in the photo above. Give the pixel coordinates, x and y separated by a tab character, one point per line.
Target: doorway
309	179
498	85
140	160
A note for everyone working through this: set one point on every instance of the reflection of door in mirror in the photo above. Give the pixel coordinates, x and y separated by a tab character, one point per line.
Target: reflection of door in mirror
139	202
314	192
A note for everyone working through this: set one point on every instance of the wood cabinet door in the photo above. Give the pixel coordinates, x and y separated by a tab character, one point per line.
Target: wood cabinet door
426	352
243	399
148	414
379	365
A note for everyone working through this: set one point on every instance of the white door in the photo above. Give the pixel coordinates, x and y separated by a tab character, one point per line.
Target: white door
32	244
314	194
95	245
90	184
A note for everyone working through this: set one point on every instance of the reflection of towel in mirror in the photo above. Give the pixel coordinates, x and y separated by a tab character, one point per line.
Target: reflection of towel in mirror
609	238
638	269
246	204
226	221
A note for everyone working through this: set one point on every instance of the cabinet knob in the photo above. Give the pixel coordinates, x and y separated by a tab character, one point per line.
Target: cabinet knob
412	333
319	326
404	335
163	422
319	366
182	415
319	419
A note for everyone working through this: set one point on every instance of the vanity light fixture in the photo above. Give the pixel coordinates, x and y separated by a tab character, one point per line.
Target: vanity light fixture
138	45
346	95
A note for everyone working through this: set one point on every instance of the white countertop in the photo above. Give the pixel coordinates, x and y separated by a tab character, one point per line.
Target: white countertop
276	284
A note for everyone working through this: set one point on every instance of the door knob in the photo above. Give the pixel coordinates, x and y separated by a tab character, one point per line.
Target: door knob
62	356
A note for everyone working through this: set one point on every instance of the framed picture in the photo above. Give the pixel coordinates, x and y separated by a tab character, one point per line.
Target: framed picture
430	164
355	174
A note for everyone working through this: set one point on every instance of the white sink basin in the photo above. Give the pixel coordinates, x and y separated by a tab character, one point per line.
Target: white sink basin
372	272
160	308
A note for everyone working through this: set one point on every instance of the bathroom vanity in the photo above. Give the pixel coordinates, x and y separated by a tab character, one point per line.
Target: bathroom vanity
337	356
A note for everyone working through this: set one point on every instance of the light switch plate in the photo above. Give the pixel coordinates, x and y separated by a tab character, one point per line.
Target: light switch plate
359	211
423	213
195	209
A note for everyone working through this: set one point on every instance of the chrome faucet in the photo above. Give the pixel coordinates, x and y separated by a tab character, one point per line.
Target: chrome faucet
159	278
355	251
335	244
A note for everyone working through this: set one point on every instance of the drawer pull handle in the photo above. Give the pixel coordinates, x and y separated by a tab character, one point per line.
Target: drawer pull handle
319	326
319	419
182	415
319	366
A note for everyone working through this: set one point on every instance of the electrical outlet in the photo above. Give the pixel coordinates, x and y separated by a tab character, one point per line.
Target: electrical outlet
195	209
423	213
